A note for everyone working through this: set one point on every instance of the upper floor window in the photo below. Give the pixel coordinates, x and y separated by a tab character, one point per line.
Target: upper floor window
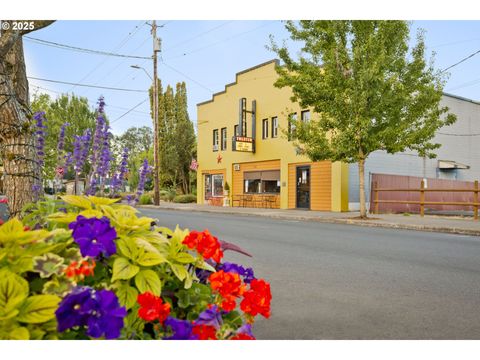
264	128
292	118
235	131
224	138
274	127
215	140
306	115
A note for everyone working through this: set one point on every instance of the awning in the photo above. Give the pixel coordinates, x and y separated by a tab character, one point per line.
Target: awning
271	175
252	175
451	165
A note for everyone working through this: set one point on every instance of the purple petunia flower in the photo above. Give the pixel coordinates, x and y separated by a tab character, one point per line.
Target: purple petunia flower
108	317
212	317
94	236
245	329
182	329
75	308
247	273
98	310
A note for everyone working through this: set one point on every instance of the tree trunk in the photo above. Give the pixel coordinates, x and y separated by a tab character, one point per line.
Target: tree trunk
361	174
17	147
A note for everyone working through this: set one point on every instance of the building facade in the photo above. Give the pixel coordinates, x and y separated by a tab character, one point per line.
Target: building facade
458	158
243	141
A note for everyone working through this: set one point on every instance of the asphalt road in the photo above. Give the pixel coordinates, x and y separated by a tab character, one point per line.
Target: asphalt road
333	281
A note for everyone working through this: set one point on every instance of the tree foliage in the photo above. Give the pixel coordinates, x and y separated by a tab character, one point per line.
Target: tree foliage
69	109
176	137
370	90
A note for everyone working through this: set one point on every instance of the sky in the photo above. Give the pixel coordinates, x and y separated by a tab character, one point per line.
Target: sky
205	54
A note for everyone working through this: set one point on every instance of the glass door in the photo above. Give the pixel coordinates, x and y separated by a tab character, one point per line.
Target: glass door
303	187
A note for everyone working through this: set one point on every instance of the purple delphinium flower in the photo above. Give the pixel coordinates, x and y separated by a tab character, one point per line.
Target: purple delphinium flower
39	117
108	317
144	170
118	177
94	236
246	273
212	317
105	153
61	138
75	308
77	154
98	310
68	161
181	329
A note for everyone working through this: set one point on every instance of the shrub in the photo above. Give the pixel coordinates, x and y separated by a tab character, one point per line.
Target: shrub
167	195
94	269
184	199
145	199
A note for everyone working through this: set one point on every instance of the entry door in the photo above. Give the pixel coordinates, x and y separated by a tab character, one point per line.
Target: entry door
303	187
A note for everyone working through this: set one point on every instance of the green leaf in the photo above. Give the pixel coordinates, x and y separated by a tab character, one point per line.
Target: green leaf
38	309
78	201
127	295
184	258
10	228
102	201
205	266
13	290
48	265
149	258
123	269
128	248
62	218
179	271
19	333
148	280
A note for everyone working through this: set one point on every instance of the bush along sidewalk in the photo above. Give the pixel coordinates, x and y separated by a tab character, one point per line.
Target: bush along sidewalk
89	268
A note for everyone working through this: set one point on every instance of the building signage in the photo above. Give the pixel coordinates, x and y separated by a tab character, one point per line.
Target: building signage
243	143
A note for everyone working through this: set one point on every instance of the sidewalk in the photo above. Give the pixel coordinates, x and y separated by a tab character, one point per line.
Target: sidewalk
435	223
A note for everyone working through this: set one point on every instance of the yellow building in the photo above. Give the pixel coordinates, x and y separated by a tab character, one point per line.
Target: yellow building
242	142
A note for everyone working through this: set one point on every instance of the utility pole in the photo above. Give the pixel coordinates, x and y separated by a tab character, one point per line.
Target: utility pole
156	185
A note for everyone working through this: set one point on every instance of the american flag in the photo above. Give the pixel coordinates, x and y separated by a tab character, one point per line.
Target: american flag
194	165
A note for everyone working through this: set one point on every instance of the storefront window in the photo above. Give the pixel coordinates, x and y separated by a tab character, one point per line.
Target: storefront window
213	185
262	182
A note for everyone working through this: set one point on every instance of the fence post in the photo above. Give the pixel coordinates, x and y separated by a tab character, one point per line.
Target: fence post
422	198
475	200
375	196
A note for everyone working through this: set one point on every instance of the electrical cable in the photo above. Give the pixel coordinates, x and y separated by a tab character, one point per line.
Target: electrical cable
87	85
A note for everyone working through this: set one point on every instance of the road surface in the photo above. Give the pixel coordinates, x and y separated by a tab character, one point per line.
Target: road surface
332	281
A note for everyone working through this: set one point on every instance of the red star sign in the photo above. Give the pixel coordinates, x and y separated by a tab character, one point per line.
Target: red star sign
219	159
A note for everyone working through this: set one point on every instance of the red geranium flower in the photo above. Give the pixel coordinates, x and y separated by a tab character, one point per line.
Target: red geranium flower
229	285
206	244
242	337
257	299
85	268
152	307
205	332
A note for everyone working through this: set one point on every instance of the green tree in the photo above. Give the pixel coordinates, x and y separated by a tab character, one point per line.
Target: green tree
69	109
184	137
370	91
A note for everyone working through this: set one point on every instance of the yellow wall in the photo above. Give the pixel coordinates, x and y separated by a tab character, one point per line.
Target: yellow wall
256	84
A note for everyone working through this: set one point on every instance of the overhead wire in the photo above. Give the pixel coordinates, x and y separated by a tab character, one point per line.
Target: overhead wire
87	85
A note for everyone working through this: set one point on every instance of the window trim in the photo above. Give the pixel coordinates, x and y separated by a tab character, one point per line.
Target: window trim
290	130
274	128
265	129
304	112
223	139
215	139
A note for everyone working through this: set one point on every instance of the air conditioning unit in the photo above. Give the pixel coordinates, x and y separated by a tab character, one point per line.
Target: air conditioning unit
236	167
215	147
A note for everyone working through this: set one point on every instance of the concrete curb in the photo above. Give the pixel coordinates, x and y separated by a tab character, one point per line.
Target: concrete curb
366	223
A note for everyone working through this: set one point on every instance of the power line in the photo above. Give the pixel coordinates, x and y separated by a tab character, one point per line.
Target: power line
186	76
129	111
87	85
83	50
199	35
461	61
108	105
221	41
467	84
